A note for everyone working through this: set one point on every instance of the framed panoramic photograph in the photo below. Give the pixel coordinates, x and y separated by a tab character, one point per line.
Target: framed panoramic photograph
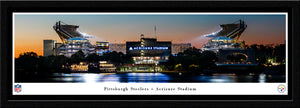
110	52
175	54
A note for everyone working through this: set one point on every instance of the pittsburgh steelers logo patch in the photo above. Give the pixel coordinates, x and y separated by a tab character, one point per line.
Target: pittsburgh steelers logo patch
281	88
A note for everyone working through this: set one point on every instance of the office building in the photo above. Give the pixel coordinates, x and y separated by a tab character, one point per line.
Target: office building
49	46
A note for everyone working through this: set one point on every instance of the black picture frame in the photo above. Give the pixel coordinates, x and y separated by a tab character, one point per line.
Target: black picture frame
9	100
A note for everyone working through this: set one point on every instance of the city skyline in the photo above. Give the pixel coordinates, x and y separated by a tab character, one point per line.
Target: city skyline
32	29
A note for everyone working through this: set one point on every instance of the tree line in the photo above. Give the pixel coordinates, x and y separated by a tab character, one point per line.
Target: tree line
30	61
264	54
192	59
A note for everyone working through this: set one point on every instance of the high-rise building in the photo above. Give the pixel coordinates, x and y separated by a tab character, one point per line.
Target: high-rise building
49	46
118	47
180	47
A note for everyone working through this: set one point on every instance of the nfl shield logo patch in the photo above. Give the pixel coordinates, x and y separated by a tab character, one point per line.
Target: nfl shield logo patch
18	88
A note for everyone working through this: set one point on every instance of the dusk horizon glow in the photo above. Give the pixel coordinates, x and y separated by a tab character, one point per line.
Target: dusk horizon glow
31	29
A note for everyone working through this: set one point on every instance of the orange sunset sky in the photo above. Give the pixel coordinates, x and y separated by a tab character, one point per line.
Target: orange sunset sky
31	29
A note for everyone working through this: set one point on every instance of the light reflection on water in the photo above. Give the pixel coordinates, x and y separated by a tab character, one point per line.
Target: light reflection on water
162	78
262	78
146	77
91	78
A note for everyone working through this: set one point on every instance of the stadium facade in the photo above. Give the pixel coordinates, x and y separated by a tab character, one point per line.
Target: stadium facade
66	31
147	53
72	40
144	51
148	50
226	38
230	51
176	47
73	45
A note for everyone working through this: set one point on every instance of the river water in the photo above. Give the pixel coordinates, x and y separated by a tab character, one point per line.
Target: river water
161	78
